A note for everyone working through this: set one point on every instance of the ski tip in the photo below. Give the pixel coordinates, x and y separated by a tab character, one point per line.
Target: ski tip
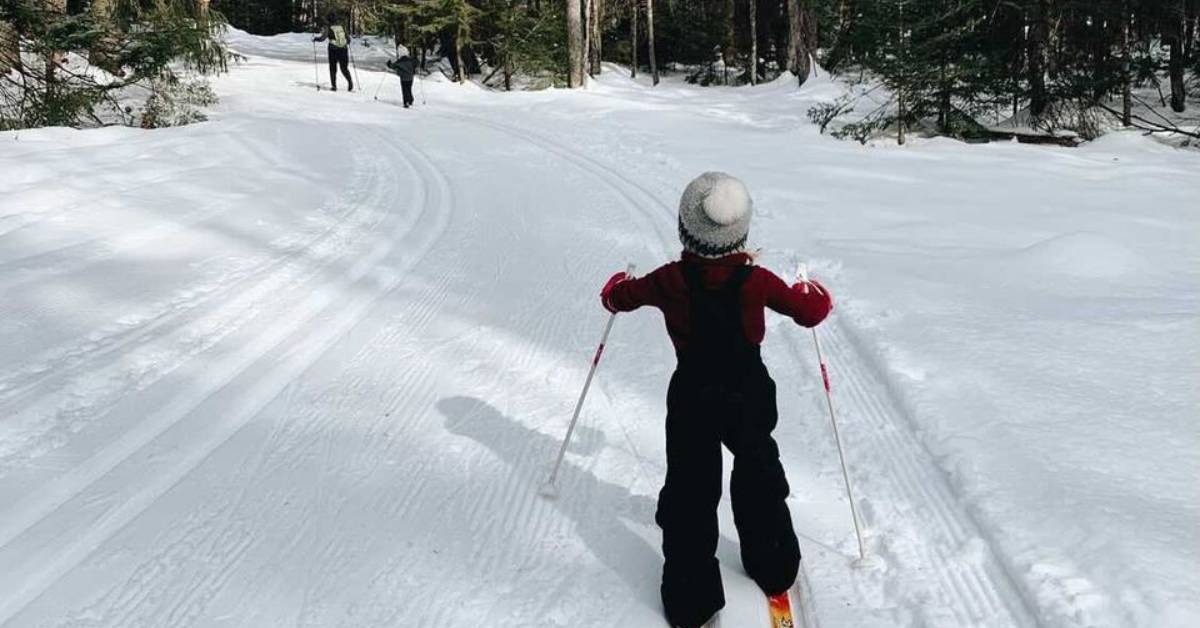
780	608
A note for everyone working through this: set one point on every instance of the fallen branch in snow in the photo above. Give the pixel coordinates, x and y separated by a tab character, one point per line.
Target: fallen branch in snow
1069	141
1153	127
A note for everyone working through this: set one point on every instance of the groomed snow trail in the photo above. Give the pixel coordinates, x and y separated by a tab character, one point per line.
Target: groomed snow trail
308	363
937	535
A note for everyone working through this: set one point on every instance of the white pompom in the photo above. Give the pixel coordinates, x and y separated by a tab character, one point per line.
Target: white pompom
727	202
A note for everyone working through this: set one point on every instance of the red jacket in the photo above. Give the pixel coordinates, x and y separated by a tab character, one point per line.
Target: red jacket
666	290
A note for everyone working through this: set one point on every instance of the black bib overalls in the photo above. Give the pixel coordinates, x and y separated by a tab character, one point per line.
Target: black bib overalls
721	394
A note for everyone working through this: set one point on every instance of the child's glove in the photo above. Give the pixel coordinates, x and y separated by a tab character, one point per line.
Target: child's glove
813	286
606	292
814	304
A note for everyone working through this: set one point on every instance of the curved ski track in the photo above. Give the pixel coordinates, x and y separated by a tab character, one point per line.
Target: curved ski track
287	314
176	329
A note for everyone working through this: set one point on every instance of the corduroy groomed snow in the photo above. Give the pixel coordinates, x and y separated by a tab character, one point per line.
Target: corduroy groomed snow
714	215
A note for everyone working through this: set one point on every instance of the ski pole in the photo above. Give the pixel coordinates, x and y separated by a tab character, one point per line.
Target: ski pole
550	488
381	80
837	437
316	68
350	51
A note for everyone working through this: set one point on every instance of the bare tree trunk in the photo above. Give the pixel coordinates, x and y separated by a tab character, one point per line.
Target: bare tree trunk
847	13
588	15
801	39
633	37
1126	71
507	73
575	49
1035	51
459	35
729	47
753	42
650	39
1176	31
793	41
10	48
900	89
597	35
1192	19
103	52
54	57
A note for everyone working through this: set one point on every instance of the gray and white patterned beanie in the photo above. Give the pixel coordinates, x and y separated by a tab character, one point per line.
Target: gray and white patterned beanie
714	215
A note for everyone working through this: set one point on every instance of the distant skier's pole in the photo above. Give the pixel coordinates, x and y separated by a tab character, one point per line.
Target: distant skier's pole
837	437
350	51
316	68
550	489
381	80
384	77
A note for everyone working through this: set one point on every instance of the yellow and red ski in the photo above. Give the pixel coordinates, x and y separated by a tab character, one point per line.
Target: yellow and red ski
780	606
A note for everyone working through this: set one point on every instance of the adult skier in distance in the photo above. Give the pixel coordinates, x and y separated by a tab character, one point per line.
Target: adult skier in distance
405	68
713	303
338	50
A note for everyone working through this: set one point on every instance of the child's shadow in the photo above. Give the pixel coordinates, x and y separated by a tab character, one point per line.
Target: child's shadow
597	508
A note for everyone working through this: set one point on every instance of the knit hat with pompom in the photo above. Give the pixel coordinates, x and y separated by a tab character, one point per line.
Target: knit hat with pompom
714	215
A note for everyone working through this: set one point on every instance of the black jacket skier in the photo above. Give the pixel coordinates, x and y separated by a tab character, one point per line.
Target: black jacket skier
339	51
405	68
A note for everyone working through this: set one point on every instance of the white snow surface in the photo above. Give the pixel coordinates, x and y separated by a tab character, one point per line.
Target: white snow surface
308	363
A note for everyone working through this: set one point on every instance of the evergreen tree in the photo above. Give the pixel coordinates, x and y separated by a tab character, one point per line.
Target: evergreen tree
518	39
1055	63
74	65
451	19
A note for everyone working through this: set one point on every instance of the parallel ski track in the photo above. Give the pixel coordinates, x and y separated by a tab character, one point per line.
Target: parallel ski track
984	591
235	296
805	611
131	468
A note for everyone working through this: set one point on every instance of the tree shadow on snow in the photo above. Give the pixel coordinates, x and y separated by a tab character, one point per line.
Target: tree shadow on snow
598	509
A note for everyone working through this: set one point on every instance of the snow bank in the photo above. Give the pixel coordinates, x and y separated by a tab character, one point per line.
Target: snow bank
1079	255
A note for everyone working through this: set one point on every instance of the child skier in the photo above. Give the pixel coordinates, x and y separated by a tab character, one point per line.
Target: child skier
405	68
721	393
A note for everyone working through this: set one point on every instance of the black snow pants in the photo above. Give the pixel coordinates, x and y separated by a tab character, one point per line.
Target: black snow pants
339	57
721	394
406	86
